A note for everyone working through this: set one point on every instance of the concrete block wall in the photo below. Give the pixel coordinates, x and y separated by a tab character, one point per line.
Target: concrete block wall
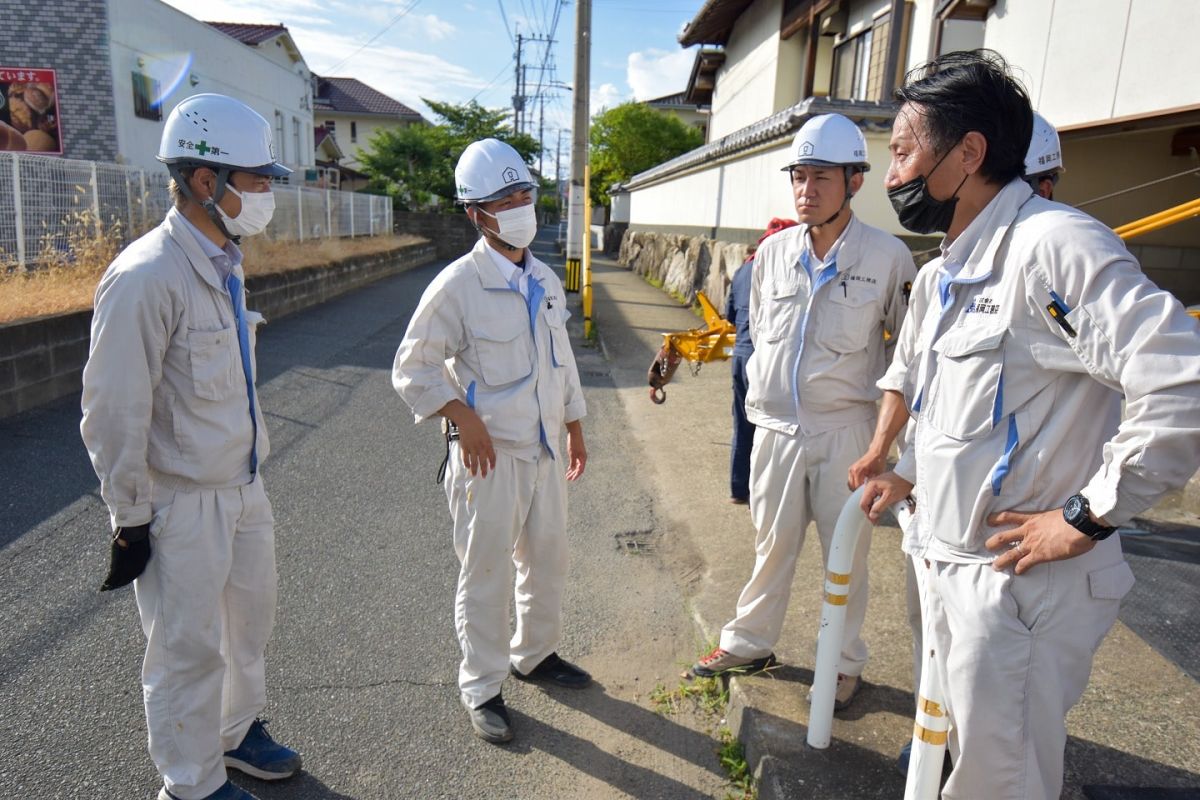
72	37
42	359
451	233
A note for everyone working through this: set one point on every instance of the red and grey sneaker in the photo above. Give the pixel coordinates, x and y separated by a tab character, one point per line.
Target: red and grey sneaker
722	662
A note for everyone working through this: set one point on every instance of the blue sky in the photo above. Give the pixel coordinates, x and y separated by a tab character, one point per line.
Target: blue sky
456	50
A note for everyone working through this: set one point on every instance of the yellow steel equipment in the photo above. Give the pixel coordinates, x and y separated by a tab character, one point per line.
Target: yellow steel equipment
1160	220
713	342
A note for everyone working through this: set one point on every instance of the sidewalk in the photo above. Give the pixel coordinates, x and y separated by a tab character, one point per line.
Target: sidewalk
1137	725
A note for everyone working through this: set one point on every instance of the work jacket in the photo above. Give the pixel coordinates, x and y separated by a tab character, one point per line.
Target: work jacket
1023	358
476	339
818	341
164	393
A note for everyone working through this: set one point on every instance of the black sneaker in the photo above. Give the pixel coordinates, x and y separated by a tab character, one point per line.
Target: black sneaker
490	721
557	671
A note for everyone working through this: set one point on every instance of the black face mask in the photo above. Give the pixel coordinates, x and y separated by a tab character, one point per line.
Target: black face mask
917	210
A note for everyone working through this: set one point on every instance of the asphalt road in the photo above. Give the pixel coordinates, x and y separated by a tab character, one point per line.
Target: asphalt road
361	668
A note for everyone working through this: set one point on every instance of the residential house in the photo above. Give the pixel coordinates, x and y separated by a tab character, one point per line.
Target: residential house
354	111
117	75
694	115
1122	97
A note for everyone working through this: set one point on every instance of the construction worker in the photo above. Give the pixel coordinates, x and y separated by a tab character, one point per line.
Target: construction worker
487	350
822	295
1043	165
1043	161
173	426
737	311
1022	461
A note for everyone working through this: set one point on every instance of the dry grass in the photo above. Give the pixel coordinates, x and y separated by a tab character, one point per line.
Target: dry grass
67	281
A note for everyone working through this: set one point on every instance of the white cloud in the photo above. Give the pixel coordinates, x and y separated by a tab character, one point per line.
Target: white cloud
654	73
605	96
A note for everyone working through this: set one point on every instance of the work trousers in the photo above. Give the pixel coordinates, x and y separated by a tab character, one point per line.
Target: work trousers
207	605
1015	653
514	520
795	480
743	433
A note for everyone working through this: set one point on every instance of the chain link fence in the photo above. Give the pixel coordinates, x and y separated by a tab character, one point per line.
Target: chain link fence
48	206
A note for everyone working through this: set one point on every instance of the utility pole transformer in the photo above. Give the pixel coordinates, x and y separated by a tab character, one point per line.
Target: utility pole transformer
578	229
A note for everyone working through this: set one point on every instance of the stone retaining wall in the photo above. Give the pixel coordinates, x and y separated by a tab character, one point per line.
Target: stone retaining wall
42	359
683	264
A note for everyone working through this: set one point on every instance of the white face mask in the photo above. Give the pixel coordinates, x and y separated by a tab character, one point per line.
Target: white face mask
517	226
256	213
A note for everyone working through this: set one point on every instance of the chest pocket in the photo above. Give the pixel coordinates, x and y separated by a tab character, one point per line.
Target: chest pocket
848	318
503	347
211	355
967	392
560	343
781	306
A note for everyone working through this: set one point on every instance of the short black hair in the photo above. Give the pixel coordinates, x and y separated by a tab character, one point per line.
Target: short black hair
968	91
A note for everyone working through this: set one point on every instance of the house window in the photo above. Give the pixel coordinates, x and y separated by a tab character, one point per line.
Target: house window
860	64
353	131
279	141
146	90
296	148
331	126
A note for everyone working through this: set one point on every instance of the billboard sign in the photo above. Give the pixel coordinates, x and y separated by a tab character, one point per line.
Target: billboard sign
29	119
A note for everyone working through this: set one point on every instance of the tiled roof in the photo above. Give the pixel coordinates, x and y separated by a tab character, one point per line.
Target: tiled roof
247	33
777	127
713	22
352	96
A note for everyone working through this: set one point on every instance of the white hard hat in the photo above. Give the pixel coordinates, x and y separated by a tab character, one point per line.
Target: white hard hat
488	170
1045	153
218	131
829	140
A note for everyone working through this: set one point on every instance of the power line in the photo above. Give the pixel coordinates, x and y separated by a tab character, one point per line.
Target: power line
495	78
507	27
370	41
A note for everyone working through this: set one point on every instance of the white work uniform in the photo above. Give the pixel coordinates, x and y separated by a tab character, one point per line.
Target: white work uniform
1016	412
166	421
818	330
478	338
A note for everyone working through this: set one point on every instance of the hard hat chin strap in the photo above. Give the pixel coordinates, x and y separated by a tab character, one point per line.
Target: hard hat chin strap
209	204
849	172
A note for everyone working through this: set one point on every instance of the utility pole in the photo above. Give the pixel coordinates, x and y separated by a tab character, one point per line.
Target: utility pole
541	132
578	229
518	94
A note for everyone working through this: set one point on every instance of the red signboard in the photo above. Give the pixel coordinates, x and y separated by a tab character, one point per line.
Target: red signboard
29	118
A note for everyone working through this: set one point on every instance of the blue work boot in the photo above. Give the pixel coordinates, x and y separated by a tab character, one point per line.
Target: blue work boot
263	757
227	792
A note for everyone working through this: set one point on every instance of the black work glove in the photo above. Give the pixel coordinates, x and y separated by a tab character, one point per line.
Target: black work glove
130	553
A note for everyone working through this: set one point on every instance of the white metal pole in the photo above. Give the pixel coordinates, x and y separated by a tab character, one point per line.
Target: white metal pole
18	210
300	211
142	196
371	215
96	200
129	205
351	216
328	214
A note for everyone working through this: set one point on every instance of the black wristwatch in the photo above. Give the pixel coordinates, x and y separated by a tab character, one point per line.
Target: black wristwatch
1077	514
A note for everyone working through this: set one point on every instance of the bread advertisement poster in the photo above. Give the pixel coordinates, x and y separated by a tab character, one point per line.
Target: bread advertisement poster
29	111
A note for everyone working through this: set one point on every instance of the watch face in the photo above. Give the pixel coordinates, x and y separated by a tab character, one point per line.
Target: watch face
1073	509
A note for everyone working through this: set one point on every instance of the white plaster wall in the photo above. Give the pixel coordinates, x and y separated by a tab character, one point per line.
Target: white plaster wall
366	127
861	14
164	37
752	190
745	86
1091	60
920	34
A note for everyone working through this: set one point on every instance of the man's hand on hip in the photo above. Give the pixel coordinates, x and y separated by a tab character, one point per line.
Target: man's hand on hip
1036	537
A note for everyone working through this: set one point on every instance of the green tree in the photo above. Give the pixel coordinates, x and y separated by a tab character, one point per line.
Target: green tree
632	138
415	165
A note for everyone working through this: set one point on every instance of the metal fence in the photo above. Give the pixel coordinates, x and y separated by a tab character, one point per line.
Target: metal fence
49	206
